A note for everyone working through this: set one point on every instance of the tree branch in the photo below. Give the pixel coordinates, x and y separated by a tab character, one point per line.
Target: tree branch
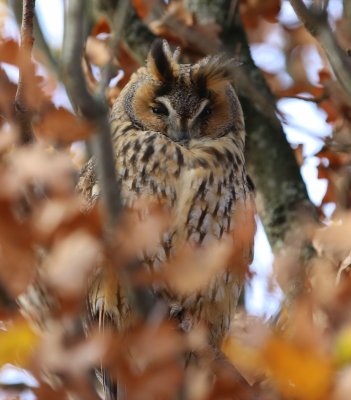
22	113
40	41
93	108
347	10
137	36
316	22
118	22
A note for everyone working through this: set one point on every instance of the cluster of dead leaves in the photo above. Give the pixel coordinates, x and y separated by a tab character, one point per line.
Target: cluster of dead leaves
48	239
252	11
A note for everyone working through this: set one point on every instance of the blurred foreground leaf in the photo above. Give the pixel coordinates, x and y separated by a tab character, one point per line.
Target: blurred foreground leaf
298	371
17	344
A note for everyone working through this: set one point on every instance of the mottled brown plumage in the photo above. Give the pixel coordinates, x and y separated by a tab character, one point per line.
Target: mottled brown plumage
178	137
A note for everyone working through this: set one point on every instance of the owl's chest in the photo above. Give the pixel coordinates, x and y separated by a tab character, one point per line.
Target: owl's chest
148	165
200	196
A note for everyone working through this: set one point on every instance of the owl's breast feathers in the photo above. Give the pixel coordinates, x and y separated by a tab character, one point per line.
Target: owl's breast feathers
201	184
207	176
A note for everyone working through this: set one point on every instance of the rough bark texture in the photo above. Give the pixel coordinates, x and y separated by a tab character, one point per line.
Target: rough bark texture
138	36
22	113
281	190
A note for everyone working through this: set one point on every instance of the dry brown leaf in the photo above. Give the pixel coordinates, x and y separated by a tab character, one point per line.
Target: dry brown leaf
342	388
302	373
69	360
7	95
244	229
97	51
229	384
17	343
59	125
300	87
252	10
45	392
58	217
17	262
330	109
102	25
180	26
334	241
17	257
243	345
192	269
140	230
34	95
35	165
145	8
127	63
8	139
298	151
145	356
71	264
9	51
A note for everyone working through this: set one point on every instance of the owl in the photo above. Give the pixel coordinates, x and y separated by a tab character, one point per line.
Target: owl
178	137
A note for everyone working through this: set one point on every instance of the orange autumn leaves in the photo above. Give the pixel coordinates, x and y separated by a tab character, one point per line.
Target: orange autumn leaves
43	228
51	124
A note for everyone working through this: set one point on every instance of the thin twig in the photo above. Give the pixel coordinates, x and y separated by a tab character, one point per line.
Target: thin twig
41	43
118	22
316	22
22	113
347	10
93	108
325	5
16	387
316	100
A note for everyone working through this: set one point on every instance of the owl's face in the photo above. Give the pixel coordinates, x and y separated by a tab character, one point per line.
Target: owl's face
184	102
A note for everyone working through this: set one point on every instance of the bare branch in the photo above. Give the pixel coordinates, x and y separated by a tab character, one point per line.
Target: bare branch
325	5
118	23
40	42
21	111
347	10
316	100
316	22
18	388
91	107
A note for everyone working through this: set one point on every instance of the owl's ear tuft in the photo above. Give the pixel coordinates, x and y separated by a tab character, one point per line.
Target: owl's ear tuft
161	63
214	73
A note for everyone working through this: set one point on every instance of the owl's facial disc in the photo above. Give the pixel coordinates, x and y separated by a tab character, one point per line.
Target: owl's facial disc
185	102
181	125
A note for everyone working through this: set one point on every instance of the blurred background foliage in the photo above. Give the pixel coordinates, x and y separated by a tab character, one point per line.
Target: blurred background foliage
291	342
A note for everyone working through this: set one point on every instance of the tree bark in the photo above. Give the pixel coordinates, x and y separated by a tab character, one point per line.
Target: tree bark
22	113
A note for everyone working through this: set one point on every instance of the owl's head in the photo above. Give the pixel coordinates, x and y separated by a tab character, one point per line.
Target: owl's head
184	102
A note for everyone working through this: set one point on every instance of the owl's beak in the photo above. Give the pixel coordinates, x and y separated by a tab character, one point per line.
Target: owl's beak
180	135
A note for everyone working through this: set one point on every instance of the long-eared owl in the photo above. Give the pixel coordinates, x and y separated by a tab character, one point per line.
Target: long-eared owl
178	137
